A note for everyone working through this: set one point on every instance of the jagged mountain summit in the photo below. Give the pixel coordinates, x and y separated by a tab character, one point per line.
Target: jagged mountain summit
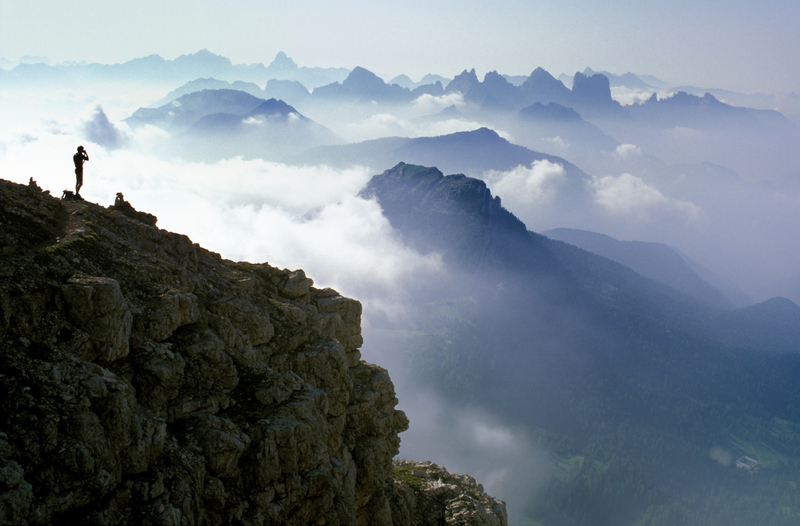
591	94
628	80
147	380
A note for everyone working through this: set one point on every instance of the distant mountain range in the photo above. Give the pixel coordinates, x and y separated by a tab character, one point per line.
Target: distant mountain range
362	85
627	80
205	64
582	122
683	109
185	68
495	92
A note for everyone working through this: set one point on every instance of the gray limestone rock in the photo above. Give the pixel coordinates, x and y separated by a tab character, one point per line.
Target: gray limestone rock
97	306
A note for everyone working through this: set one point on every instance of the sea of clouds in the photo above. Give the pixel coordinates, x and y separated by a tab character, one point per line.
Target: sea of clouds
311	217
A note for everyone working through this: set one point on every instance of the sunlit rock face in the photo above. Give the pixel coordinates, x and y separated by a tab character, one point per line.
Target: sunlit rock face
147	380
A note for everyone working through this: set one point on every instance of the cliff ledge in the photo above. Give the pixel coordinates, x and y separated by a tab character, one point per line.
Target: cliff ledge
147	380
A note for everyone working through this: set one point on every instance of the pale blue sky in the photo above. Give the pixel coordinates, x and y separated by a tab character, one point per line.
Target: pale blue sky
736	44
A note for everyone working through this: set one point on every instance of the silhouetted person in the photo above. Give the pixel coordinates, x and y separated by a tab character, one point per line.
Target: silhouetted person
79	158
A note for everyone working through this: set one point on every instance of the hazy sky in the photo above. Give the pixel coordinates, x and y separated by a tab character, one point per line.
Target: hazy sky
743	45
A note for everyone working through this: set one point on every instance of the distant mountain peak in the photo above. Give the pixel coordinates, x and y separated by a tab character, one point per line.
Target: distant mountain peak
542	76
203	58
282	62
550	112
471	75
541	86
272	107
361	78
595	89
403	81
494	76
451	112
464	82
410	170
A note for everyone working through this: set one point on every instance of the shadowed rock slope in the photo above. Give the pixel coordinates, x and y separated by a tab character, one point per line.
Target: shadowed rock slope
147	380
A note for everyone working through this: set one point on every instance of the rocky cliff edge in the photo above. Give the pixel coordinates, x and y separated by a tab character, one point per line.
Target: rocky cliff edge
147	380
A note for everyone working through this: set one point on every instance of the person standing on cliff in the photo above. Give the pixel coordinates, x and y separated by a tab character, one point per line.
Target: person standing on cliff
79	158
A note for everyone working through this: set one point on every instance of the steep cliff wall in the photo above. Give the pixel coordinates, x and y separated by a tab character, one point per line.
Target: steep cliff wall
147	380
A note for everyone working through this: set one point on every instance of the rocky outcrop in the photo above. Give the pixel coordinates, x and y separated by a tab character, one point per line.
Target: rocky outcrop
593	92
427	494
147	380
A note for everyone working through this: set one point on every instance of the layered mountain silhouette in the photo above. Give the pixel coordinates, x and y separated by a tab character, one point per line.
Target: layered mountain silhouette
473	153
289	91
271	130
553	120
457	216
214	124
684	109
656	261
181	113
363	86
686	128
589	93
185	68
628	80
583	122
628	383
480	153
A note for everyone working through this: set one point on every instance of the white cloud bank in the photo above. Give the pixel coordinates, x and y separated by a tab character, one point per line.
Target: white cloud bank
527	185
629	196
627	151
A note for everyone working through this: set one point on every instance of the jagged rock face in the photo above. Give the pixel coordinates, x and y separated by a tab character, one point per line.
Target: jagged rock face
147	380
594	90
